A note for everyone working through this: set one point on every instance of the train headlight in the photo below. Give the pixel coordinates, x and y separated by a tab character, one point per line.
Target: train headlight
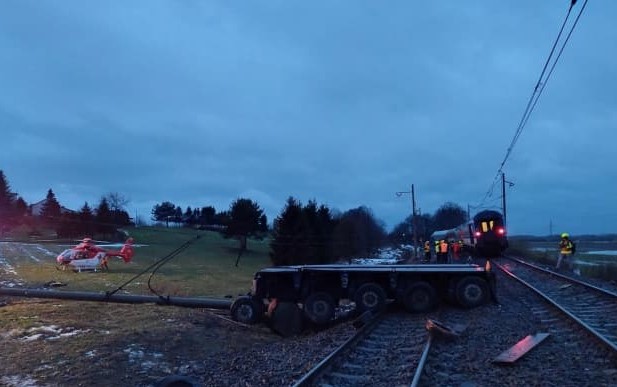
501	231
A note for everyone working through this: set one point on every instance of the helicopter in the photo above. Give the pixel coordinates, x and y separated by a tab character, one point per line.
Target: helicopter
88	256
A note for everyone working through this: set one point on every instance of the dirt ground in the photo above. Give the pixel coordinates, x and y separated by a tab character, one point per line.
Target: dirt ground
67	343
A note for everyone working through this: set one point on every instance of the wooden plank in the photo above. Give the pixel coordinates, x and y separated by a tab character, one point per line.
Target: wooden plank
521	348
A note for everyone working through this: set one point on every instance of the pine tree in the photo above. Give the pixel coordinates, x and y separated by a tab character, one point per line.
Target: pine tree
7	201
285	249
103	218
51	209
86	220
244	221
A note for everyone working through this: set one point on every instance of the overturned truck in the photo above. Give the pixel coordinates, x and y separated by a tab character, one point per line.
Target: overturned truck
313	292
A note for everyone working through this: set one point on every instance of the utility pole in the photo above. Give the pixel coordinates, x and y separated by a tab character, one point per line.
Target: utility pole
503	196
415	223
413	218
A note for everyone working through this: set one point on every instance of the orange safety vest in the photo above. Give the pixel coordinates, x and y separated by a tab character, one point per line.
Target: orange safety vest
444	246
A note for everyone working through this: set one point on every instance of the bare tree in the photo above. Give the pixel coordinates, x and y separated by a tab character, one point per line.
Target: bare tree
116	201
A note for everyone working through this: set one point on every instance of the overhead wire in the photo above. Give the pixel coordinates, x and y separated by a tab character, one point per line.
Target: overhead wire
537	92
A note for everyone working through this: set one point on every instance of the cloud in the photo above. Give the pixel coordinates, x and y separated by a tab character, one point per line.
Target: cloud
342	102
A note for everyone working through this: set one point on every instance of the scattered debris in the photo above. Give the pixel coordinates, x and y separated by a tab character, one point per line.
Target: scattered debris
444	330
520	348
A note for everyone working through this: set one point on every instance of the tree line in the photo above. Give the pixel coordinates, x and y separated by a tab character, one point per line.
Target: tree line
308	233
104	219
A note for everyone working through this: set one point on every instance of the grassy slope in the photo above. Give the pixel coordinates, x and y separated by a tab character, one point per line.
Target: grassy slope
113	344
205	268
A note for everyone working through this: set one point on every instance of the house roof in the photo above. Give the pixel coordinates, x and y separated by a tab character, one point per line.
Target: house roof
37	208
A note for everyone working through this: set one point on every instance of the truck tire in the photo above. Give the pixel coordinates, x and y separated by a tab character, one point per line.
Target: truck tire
319	307
176	381
369	296
420	297
471	292
286	319
247	310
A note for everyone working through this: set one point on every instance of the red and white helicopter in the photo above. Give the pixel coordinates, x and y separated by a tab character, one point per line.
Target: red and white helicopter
88	256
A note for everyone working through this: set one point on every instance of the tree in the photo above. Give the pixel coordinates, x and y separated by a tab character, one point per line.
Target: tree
189	216
403	232
7	200
51	209
116	201
177	218
163	212
117	206
449	215
207	215
244	221
358	233
68	226
86	220
21	207
285	248
104	218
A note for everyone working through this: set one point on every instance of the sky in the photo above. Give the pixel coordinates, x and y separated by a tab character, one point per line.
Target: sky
342	102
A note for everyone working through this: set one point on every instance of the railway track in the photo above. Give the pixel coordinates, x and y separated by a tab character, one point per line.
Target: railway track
593	308
389	350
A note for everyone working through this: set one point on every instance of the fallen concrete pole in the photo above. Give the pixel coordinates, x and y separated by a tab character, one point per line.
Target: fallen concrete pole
189	302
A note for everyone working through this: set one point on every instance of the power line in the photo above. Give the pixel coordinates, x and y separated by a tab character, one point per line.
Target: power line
535	95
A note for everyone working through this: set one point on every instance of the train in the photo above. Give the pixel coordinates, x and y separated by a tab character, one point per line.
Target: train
484	236
489	233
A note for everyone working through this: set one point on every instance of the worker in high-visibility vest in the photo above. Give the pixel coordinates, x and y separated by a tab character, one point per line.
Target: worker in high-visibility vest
443	251
566	249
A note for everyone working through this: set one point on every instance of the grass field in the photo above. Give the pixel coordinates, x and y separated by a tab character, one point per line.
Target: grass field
593	258
205	268
71	343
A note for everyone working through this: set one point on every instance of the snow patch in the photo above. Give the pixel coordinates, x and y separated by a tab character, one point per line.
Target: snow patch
385	256
23	248
50	333
91	354
7	270
146	360
45	251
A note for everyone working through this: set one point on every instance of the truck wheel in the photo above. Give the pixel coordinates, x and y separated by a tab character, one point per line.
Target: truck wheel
369	296
247	310
319	307
471	292
176	381
286	319
420	297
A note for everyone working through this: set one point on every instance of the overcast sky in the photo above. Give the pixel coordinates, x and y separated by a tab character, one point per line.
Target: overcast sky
343	102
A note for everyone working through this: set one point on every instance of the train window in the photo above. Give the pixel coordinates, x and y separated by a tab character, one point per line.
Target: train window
491	224
484	227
